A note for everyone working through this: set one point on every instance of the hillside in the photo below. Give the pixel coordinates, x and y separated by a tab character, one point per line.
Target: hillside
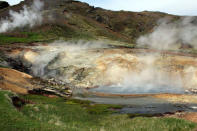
66	65
77	20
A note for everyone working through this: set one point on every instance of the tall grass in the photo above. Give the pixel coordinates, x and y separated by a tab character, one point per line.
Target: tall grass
74	115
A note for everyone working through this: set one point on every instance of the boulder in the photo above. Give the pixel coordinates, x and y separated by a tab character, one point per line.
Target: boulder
4	4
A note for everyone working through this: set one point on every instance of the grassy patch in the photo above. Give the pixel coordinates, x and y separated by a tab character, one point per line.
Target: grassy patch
24	37
53	33
95	108
11	119
74	115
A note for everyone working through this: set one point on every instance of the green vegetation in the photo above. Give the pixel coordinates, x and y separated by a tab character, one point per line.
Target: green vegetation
74	115
74	20
60	32
54	33
22	37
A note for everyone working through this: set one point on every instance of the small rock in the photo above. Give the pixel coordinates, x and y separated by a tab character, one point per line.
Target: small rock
69	91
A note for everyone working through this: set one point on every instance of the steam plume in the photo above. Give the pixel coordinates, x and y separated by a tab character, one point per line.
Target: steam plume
29	16
83	64
150	79
168	35
67	52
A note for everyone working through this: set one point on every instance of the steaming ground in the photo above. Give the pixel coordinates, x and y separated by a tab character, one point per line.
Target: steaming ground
93	64
29	16
148	79
171	35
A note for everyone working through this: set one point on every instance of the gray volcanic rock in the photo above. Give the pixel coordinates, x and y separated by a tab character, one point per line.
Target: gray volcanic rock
4	4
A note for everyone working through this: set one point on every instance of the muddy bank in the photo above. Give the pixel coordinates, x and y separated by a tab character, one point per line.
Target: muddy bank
144	105
184	98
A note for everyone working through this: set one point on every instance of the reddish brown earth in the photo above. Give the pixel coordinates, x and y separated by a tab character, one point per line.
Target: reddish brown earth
15	81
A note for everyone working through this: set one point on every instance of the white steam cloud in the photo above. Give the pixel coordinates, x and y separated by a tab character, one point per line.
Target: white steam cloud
88	64
29	16
149	78
63	53
85	65
170	35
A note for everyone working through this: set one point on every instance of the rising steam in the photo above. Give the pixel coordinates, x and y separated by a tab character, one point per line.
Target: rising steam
118	70
146	78
61	54
114	70
170	35
29	16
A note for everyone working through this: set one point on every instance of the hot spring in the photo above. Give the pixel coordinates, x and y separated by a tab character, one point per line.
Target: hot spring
111	70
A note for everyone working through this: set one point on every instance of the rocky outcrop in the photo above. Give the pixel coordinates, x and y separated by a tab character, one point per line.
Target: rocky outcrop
3	4
51	87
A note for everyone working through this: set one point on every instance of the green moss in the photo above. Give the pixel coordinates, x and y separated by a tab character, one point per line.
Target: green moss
76	101
102	109
93	108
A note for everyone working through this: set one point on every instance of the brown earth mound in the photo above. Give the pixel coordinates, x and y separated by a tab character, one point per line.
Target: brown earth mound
15	81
